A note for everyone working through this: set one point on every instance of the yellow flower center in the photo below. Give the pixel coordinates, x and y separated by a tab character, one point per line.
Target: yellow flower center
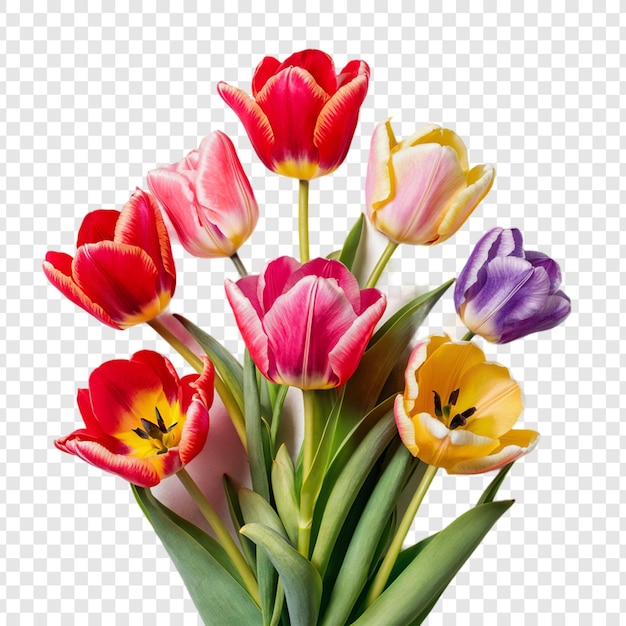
445	414
158	435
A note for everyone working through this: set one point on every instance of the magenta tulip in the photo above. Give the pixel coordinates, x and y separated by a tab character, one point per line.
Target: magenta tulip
305	325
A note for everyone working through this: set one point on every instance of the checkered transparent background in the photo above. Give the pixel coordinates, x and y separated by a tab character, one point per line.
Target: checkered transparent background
91	99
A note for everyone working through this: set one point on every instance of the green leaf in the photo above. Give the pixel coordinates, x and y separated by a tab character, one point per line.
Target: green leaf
218	596
301	581
284	488
254	429
237	518
256	509
409	599
373	523
227	366
347	487
492	490
351	244
385	351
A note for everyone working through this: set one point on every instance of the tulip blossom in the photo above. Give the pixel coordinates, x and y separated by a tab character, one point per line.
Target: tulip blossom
305	325
505	292
207	198
142	422
457	410
302	115
421	190
123	272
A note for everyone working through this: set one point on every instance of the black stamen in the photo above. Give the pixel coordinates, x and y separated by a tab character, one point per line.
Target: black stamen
453	397
142	433
457	420
160	421
438	412
152	429
169	430
469	412
460	419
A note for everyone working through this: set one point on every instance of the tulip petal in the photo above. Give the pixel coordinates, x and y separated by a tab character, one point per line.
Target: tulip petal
253	118
121	279
442	447
497	398
443	372
263	72
274	279
539	259
337	121
428	177
431	133
351	71
405	425
292	101
249	323
83	399
379	183
325	268
58	269
318	64
512	291
556	308
97	226
480	180
176	195
122	393
355	339
162	368
138	471
140	224
195	432
223	191
310	318
513	445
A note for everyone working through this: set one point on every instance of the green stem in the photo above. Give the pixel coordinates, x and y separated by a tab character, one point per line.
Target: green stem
468	336
303	220
222	534
196	362
378	586
382	263
307	502
241	268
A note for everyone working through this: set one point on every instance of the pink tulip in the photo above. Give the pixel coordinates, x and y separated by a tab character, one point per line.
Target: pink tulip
207	198
421	190
305	325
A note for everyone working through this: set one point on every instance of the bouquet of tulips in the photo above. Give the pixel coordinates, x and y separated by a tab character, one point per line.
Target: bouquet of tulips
319	532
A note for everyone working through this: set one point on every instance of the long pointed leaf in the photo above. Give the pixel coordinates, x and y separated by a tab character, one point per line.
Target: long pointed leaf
301	581
413	594
351	245
227	366
284	488
219	598
384	352
348	485
366	539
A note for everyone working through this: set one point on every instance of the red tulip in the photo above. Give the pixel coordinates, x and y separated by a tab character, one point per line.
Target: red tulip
303	115
207	198
305	325
142	422
123	272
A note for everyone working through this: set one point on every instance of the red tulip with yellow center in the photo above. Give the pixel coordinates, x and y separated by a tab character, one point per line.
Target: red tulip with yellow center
458	411
142	422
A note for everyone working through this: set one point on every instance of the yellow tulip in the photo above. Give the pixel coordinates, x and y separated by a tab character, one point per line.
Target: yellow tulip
458	411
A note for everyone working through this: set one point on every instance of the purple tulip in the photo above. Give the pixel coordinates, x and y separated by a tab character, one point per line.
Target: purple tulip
505	292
